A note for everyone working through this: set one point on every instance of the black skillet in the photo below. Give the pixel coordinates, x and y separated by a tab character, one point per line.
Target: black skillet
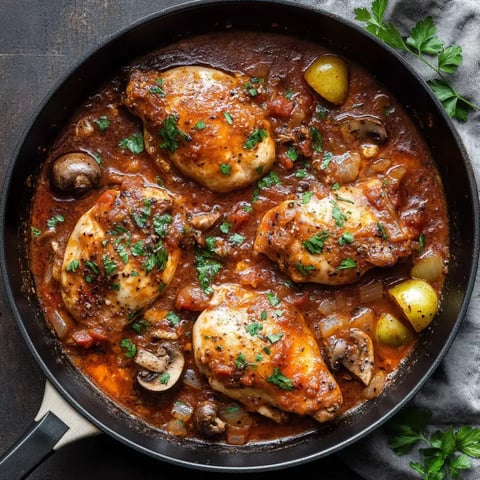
75	391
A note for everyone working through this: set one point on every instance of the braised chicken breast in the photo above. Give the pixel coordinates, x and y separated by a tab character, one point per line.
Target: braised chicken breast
116	261
258	350
202	120
334	240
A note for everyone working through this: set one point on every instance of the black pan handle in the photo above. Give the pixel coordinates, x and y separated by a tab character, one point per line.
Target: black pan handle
57	423
33	447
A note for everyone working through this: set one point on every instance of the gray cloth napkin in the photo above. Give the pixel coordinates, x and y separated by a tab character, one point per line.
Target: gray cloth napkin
453	392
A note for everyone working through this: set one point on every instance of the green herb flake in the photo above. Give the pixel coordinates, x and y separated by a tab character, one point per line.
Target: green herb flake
306	197
382	231
228	118
73	266
236	238
140	326
346	238
327	158
256	137
274	337
337	214
200	125
316	139
316	242
36	232
225	169
55	220
161	223
421	242
347	263
254	329
134	143
304	269
108	264
171	135
273	299
128	347
102	123
280	380
292	154
173	318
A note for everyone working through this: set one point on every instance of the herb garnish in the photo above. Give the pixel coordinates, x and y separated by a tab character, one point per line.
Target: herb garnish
171	135
134	143
447	452
422	41
280	380
316	242
255	138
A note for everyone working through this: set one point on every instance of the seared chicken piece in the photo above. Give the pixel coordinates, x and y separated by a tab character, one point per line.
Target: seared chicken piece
116	261
260	352
335	239
203	121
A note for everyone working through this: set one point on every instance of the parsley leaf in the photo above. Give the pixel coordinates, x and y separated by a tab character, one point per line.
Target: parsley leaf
422	42
134	143
440	460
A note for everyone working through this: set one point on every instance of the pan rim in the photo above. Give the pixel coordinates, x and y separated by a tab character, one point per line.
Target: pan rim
176	10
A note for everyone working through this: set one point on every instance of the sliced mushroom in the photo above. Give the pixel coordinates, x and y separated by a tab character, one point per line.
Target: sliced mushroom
363	128
203	221
75	173
160	370
206	419
355	353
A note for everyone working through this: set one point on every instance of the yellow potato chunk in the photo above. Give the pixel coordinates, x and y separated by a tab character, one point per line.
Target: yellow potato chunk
391	331
418	301
328	76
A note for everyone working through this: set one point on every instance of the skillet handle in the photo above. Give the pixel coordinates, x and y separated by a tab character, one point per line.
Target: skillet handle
35	445
56	424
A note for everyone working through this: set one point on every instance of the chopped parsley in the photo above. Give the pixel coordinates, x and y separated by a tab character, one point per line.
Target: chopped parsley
173	318
280	380
200	125
304	269
157	89
226	169
53	221
382	231
102	123
171	135
316	243
346	237
273	299
255	138
347	263
317	139
134	143
337	214
160	224
128	347
228	118
207	267
327	158
73	266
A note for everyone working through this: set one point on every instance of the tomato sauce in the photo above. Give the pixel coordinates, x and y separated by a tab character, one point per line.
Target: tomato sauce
275	65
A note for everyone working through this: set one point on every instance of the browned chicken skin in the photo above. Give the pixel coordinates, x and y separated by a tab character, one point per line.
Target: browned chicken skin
202	120
260	352
335	239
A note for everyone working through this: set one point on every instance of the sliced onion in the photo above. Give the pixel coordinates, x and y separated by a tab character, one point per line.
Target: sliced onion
375	386
191	379
428	268
59	324
371	292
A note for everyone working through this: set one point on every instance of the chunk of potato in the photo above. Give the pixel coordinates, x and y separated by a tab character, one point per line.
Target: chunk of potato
328	76
418	301
391	331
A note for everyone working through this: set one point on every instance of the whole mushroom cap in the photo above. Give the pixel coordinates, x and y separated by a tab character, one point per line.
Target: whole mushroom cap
75	173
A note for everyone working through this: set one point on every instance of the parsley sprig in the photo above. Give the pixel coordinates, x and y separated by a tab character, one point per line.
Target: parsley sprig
447	451
423	43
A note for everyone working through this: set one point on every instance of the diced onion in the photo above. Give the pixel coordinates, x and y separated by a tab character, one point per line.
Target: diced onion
371	292
428	268
176	427
329	325
182	411
327	306
231	413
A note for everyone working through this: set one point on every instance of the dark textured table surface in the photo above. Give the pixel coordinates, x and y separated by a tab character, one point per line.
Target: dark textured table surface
39	42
